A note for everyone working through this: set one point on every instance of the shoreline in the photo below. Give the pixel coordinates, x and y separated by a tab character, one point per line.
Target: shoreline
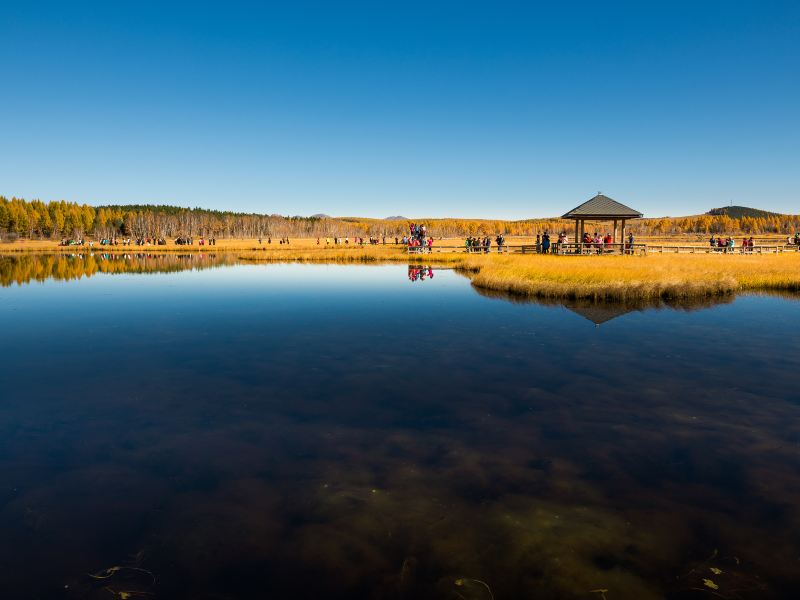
607	278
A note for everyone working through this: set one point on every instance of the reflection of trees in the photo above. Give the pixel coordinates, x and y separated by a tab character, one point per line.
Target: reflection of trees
21	269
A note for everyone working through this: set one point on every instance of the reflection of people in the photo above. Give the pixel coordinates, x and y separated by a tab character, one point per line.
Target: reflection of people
419	273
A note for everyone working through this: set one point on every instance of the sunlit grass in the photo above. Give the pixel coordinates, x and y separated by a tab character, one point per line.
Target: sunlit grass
634	278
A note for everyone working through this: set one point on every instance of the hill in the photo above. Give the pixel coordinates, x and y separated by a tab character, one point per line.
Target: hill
738	212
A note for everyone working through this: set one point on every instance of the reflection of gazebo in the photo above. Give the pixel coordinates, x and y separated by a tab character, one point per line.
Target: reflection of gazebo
598	313
601	208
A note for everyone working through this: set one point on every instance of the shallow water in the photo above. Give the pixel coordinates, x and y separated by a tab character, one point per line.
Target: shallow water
321	431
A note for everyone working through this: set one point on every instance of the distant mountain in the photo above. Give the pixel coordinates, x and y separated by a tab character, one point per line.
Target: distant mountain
397	218
320	216
737	212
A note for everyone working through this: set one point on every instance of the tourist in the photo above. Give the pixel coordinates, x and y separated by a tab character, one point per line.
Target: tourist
545	243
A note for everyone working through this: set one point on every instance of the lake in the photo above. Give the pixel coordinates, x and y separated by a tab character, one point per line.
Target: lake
193	427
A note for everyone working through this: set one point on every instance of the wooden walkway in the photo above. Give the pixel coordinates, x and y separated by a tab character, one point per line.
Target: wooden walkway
561	249
605	249
664	249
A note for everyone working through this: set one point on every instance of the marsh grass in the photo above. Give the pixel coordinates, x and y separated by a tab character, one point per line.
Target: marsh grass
623	278
355	254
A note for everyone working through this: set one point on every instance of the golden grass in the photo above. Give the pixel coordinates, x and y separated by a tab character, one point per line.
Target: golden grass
666	277
367	254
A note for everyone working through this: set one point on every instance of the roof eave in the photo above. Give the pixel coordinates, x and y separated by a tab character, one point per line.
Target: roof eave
602	216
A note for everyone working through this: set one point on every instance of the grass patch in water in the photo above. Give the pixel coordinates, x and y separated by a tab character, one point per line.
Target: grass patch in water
665	277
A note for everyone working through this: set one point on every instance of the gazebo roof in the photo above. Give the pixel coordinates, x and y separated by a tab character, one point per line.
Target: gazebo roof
602	207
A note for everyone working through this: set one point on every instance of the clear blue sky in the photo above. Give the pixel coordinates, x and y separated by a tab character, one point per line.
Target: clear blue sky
483	109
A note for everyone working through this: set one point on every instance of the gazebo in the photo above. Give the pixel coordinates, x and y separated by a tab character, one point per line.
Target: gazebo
601	208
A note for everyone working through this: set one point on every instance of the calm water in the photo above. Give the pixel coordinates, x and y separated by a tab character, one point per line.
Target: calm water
295	431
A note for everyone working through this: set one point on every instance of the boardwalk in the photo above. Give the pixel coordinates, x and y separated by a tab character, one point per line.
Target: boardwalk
572	249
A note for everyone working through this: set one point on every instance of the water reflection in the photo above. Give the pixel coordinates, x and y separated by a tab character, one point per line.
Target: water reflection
24	268
378	441
599	312
420	272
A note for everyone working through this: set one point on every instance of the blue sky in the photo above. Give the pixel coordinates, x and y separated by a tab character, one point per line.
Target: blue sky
476	109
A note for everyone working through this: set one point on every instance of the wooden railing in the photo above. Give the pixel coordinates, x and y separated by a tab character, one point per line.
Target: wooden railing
761	249
568	249
494	249
572	249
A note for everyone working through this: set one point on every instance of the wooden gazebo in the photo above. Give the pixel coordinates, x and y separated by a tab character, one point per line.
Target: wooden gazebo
601	208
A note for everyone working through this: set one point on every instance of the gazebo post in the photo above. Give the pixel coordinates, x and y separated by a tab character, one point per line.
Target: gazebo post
623	237
576	231
616	239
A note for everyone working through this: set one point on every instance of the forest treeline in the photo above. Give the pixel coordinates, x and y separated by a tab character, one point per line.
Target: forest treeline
59	219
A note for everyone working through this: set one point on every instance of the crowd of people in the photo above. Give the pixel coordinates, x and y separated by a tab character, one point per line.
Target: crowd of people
728	244
418	239
143	241
597	242
484	244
